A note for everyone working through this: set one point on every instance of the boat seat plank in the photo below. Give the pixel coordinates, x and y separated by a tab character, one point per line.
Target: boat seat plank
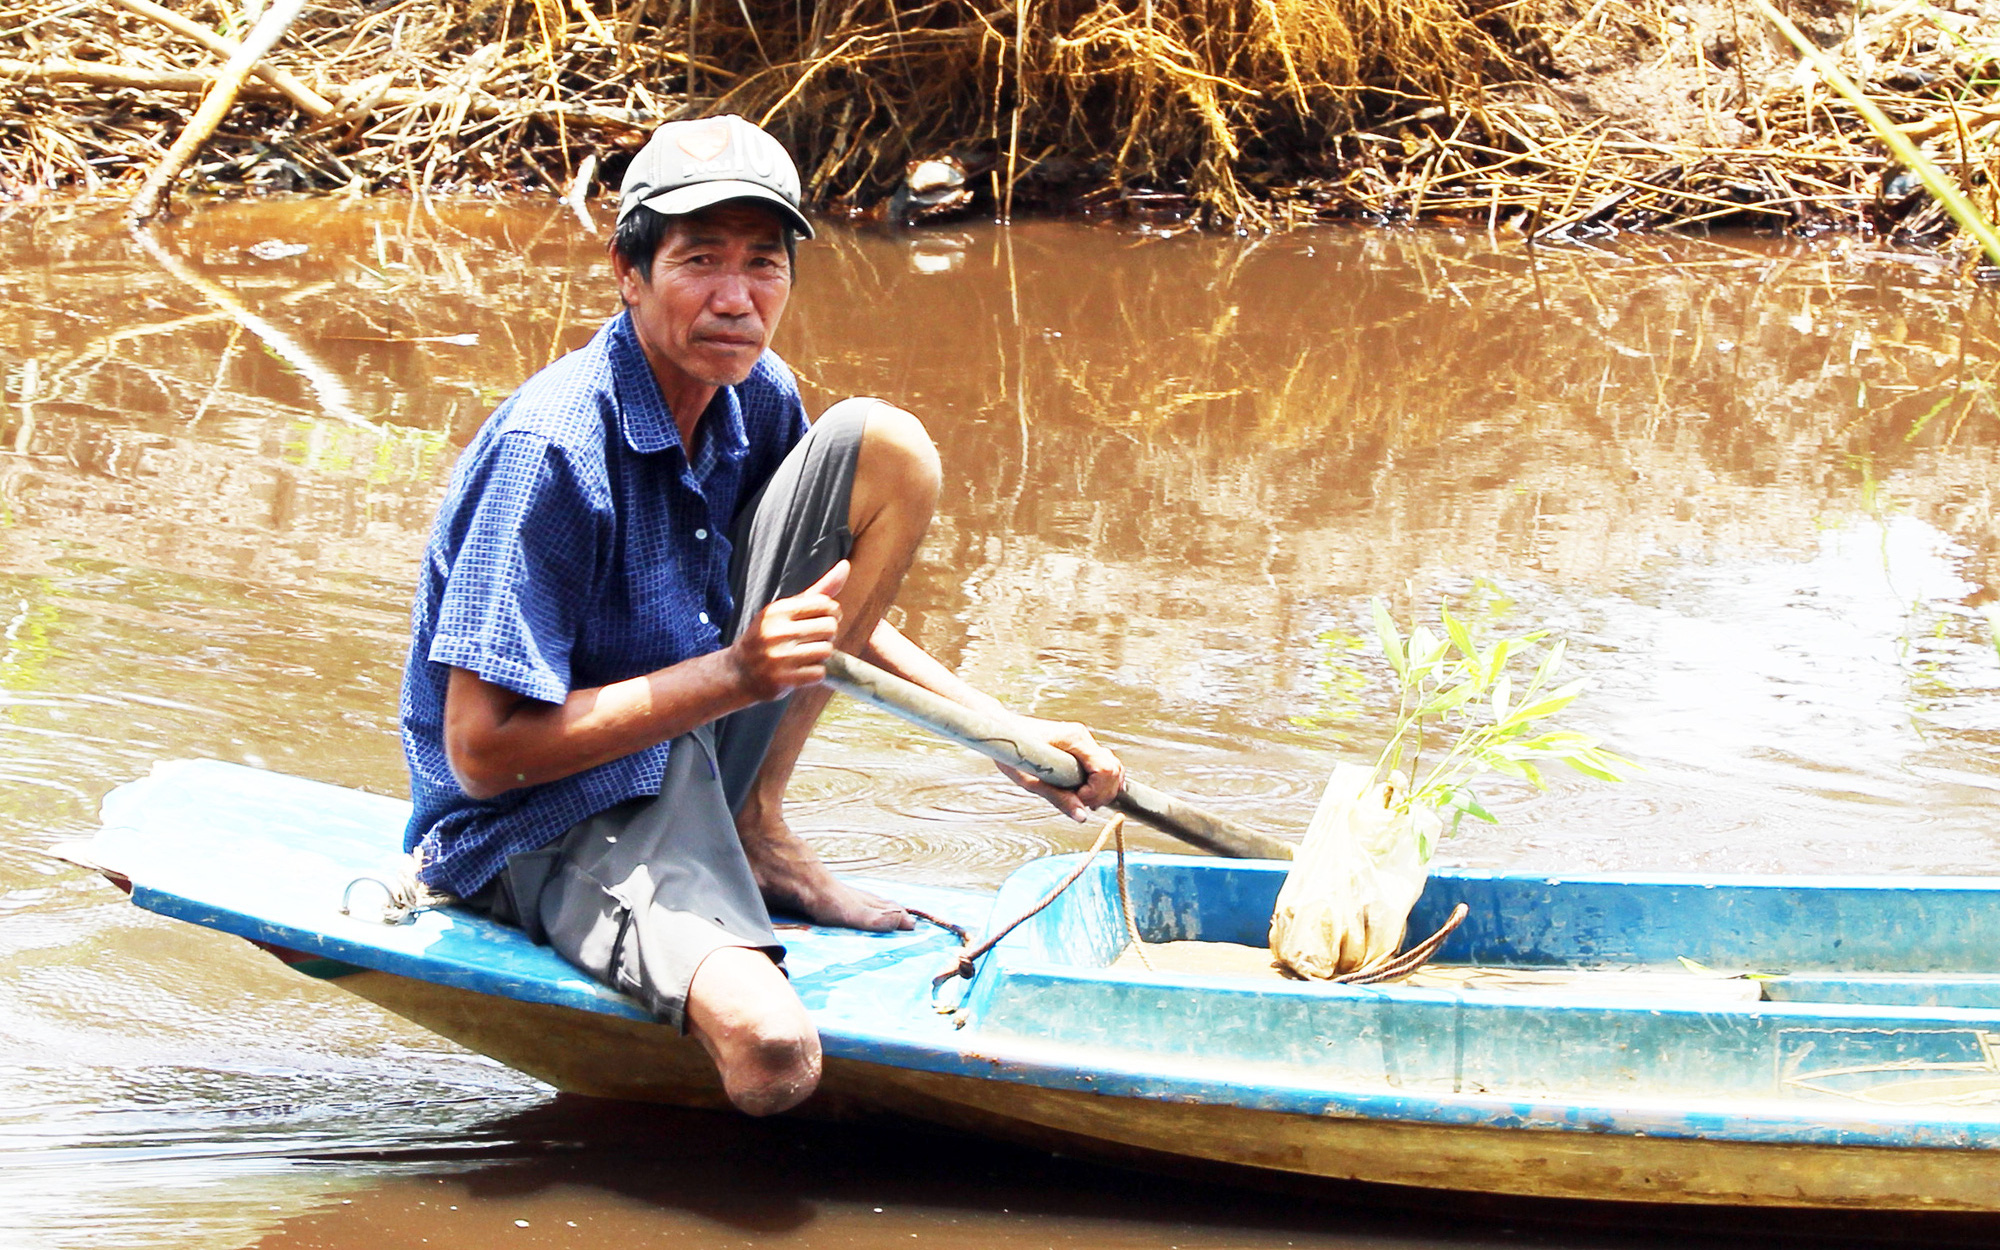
1233	959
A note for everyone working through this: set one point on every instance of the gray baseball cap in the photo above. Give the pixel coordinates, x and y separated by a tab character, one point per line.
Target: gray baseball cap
691	165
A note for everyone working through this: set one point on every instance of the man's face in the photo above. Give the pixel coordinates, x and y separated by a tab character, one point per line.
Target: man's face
719	284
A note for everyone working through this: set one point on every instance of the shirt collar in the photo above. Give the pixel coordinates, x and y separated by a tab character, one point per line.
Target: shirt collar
643	417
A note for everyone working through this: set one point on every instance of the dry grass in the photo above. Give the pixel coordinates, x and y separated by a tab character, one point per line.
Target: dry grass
1213	112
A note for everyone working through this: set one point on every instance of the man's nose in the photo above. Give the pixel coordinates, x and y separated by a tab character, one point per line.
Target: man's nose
731	296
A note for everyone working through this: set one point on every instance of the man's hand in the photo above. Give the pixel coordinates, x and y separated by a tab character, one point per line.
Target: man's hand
786	646
1103	776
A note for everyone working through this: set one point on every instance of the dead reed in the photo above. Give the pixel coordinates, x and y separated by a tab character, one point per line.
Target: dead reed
1557	118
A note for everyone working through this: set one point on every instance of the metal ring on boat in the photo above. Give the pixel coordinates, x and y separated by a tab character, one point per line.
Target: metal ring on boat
394	909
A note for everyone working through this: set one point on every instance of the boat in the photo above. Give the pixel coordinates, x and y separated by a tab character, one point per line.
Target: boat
1802	1042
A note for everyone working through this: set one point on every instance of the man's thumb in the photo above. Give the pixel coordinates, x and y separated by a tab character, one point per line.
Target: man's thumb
832	583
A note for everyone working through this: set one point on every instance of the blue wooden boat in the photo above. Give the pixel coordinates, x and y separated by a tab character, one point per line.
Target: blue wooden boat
1626	1059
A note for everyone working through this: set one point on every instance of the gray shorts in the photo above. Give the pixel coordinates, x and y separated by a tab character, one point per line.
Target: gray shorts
639	895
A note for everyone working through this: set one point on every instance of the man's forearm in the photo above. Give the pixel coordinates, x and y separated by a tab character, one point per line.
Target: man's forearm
1104	776
498	740
888	648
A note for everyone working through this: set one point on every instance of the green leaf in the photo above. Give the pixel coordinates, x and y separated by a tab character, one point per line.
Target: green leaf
1546	669
1546	706
1603	765
1592	770
1528	713
1501	689
1465	802
1425	649
1562	742
1392	642
1460	636
1451	699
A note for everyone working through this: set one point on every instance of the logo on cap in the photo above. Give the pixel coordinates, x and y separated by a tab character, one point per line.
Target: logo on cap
704	143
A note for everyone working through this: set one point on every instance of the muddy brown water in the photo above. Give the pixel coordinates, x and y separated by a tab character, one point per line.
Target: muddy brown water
1752	483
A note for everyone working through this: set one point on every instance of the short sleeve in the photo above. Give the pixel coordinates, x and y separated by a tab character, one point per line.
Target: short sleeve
791	405
523	571
774	420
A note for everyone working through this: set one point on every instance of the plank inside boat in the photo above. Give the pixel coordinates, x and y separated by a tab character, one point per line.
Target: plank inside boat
1234	959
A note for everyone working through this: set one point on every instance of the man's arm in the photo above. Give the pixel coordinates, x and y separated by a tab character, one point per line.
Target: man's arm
498	740
1104	775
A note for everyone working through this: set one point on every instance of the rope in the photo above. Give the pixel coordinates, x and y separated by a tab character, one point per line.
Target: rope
968	960
1398	966
1125	906
955	930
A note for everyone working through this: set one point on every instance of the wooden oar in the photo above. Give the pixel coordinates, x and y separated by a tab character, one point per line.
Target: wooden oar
1007	739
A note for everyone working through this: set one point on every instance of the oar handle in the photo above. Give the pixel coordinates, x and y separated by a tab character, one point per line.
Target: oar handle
1008	739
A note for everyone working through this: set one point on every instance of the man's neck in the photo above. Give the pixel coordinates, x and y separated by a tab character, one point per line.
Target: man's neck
687	408
686	399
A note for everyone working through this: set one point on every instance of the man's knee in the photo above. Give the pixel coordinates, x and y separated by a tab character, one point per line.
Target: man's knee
744	1013
777	1067
897	450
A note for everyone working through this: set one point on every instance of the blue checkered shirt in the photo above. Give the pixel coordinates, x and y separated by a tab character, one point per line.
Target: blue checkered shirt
576	546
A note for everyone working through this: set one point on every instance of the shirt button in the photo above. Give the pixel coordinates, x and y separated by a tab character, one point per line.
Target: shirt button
701	535
704	617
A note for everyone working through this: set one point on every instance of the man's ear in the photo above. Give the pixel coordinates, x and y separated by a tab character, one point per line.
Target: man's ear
627	275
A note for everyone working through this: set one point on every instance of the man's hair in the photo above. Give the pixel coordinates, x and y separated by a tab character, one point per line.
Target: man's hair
639	236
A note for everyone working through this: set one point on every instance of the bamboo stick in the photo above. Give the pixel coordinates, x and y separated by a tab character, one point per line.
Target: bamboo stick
1021	11
310	102
1962	210
214	107
1006	740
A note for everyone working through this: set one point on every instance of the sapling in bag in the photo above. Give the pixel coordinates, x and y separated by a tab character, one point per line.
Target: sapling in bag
1360	869
1366	856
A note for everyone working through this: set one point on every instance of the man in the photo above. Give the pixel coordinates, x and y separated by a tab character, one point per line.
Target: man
635	579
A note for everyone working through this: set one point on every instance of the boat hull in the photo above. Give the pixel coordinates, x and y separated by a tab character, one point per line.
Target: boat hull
1860	1070
604	1056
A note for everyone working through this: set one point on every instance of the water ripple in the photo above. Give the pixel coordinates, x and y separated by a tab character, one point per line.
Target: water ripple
934	852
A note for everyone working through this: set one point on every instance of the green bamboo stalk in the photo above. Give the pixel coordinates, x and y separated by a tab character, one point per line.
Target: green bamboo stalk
1940	184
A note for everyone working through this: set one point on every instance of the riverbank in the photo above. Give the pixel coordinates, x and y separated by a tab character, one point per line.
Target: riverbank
1551	118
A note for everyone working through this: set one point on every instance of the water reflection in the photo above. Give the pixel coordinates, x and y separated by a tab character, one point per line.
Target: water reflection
1752	483
573	1173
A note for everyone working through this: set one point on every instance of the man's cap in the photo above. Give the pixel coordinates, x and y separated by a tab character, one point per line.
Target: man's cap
691	165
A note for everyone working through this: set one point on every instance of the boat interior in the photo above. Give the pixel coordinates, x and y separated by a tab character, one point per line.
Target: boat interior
1753	987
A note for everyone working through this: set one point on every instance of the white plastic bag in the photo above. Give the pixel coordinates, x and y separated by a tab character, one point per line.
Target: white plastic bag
1347	901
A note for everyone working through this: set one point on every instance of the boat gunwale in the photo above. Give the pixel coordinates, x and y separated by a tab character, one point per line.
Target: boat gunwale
574	991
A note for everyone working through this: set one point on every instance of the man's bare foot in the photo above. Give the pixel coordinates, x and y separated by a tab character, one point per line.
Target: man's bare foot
792	876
